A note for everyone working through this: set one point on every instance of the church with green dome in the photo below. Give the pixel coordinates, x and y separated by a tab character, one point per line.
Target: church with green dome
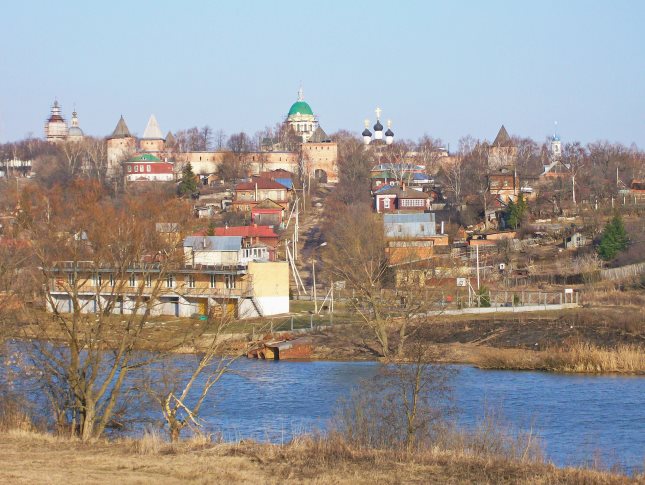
301	118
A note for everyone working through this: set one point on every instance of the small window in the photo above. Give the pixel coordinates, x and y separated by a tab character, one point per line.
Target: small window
170	281
213	281
141	168
386	203
98	279
132	281
136	168
191	281
147	168
111	279
148	281
129	168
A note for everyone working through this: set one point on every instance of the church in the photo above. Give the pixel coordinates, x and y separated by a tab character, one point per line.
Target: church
56	129
316	154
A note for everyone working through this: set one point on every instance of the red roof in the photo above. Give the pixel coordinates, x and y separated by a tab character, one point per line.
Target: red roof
246	231
262	184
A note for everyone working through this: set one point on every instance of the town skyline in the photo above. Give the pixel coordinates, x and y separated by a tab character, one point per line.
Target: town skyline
445	71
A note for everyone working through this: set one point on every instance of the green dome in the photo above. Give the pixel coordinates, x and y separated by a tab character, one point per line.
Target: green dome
300	107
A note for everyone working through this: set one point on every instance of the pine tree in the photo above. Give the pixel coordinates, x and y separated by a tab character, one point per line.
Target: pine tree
516	211
187	184
614	239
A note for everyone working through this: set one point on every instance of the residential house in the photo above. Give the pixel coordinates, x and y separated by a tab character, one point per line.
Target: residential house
281	176
505	184
268	213
411	237
251	235
395	199
249	194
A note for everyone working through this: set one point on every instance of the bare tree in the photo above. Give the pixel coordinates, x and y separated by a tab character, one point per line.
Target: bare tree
405	406
87	249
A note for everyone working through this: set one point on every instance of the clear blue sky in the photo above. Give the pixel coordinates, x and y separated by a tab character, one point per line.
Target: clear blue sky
448	68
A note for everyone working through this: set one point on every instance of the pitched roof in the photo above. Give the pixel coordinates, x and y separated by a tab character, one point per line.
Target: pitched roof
318	136
246	231
213	243
170	139
121	130
267	204
418	217
146	157
404	193
503	139
152	131
261	183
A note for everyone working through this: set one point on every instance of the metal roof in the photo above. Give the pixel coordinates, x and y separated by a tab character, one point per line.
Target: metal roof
213	243
417	217
152	131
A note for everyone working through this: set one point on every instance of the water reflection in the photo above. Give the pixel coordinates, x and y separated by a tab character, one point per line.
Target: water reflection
577	416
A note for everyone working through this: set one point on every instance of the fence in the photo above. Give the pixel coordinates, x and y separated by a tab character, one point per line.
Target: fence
629	271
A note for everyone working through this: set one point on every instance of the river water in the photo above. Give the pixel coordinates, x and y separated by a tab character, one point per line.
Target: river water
578	417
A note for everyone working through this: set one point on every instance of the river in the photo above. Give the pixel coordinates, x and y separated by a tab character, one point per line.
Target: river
578	417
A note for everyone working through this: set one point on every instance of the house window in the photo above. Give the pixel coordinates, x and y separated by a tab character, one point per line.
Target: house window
191	281
132	281
98	279
213	281
422	228
170	281
129	168
141	168
386	203
148	281
111	279
70	278
147	168
136	168
230	281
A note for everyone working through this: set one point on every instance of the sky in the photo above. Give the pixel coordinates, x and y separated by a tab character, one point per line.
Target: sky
442	68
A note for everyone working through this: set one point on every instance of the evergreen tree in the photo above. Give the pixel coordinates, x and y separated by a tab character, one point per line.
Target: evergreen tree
516	211
187	184
614	239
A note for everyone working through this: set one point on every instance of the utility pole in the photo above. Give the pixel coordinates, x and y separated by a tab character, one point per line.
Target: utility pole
477	253
313	267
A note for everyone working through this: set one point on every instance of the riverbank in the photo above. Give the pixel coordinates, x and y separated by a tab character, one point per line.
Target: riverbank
585	340
27	457
604	339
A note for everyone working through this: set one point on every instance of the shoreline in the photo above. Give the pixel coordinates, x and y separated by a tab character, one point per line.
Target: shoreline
559	342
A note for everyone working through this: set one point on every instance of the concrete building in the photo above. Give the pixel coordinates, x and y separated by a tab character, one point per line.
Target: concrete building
219	275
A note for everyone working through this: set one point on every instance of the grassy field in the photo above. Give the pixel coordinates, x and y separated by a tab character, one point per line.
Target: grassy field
27	457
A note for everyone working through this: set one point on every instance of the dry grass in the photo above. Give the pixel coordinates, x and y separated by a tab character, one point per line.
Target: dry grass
26	457
580	357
